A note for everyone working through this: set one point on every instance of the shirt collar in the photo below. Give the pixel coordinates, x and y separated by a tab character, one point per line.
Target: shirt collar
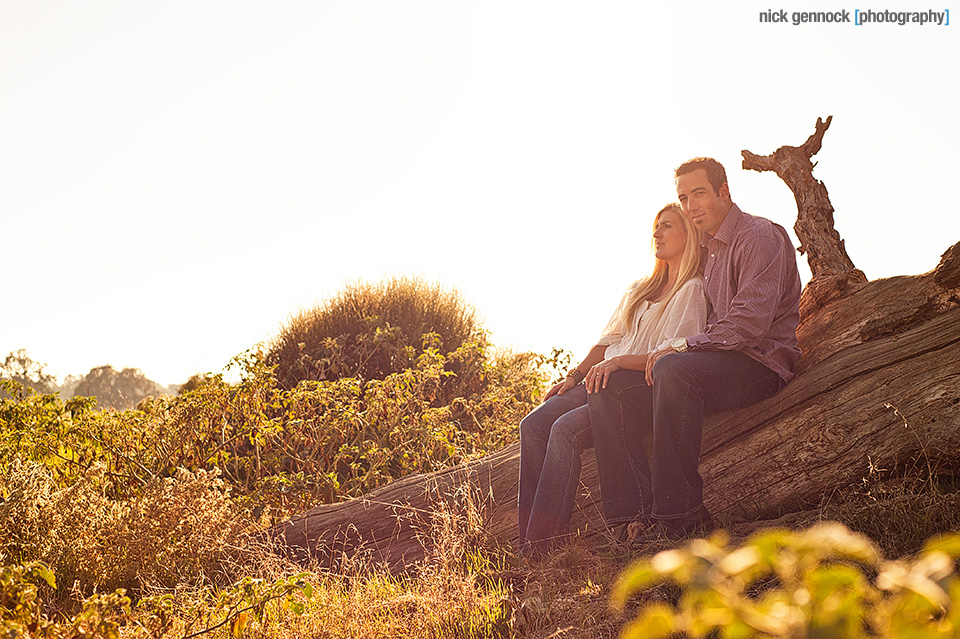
728	227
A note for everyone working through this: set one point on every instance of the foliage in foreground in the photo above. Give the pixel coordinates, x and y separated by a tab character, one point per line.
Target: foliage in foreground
102	615
825	581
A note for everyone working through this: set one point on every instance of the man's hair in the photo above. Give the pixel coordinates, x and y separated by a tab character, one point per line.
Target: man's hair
716	174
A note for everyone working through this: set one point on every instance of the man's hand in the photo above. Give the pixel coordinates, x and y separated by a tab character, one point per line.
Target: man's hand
652	359
600	373
560	388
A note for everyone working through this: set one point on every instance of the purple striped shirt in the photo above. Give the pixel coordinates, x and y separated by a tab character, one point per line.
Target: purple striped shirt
750	278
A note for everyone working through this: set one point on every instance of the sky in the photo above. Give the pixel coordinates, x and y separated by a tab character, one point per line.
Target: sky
177	179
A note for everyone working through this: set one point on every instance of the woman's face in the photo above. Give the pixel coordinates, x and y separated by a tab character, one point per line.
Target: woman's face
669	236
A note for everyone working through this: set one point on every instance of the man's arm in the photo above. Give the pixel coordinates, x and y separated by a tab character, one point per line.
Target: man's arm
763	272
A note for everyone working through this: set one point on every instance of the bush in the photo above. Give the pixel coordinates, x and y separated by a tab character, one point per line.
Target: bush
372	330
279	451
825	581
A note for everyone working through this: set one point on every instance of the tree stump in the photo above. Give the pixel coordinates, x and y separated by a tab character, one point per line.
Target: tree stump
878	383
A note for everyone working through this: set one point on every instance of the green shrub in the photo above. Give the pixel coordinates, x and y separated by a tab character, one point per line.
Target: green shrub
824	582
372	330
278	451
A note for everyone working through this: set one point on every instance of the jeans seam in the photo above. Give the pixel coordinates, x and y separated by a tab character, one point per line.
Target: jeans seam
676	455
673	517
570	479
623	439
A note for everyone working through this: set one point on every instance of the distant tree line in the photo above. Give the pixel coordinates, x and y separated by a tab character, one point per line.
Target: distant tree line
117	389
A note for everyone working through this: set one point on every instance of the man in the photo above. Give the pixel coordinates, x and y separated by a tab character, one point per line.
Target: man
747	352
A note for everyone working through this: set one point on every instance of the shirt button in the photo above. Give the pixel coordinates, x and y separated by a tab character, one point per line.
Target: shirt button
713	255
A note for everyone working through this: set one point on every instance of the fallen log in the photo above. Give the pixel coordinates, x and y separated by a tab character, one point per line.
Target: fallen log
878	383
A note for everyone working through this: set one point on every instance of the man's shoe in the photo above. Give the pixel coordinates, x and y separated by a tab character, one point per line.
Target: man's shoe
627	532
698	523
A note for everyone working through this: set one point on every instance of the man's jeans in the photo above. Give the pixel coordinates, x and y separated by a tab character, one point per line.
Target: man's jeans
551	440
625	415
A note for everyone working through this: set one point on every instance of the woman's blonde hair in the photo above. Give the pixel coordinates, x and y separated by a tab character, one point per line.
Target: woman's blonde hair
648	287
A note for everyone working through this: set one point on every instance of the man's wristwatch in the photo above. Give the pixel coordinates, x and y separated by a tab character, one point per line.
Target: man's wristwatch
679	344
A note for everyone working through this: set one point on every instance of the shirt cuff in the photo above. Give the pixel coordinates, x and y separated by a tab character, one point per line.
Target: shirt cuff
697	341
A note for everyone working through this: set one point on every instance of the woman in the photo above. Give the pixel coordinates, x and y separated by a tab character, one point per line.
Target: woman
668	304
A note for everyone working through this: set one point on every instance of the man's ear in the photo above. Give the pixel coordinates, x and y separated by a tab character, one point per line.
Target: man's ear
725	191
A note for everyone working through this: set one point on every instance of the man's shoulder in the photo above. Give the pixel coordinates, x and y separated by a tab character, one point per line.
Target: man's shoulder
757	225
753	227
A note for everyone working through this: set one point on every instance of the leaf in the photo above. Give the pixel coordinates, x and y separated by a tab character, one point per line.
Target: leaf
741	560
834	539
657	621
669	561
948	543
239	622
637	577
769	543
44	572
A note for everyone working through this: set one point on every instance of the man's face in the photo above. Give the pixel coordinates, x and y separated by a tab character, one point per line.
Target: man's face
700	203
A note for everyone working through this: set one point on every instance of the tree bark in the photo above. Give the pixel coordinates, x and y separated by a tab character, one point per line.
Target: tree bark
834	274
878	383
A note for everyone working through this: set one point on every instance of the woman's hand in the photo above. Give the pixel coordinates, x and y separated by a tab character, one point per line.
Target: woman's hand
600	373
560	388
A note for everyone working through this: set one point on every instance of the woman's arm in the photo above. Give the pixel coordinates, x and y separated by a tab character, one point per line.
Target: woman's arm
685	315
600	373
593	357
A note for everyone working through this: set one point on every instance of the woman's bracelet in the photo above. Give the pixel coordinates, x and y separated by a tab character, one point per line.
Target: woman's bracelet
576	376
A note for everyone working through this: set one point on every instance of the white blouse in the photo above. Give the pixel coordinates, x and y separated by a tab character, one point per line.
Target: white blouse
685	315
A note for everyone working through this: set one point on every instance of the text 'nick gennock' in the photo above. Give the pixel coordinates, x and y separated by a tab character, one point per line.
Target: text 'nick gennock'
859	17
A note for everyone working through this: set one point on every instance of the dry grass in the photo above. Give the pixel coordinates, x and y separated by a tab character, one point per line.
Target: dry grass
183	530
184	538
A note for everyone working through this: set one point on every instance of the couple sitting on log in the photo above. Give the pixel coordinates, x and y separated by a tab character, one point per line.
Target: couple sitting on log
713	328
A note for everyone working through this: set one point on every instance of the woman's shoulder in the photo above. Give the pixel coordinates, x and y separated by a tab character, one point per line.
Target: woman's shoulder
690	293
692	285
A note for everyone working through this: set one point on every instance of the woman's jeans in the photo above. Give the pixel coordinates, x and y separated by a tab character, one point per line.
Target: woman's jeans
648	437
551	440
